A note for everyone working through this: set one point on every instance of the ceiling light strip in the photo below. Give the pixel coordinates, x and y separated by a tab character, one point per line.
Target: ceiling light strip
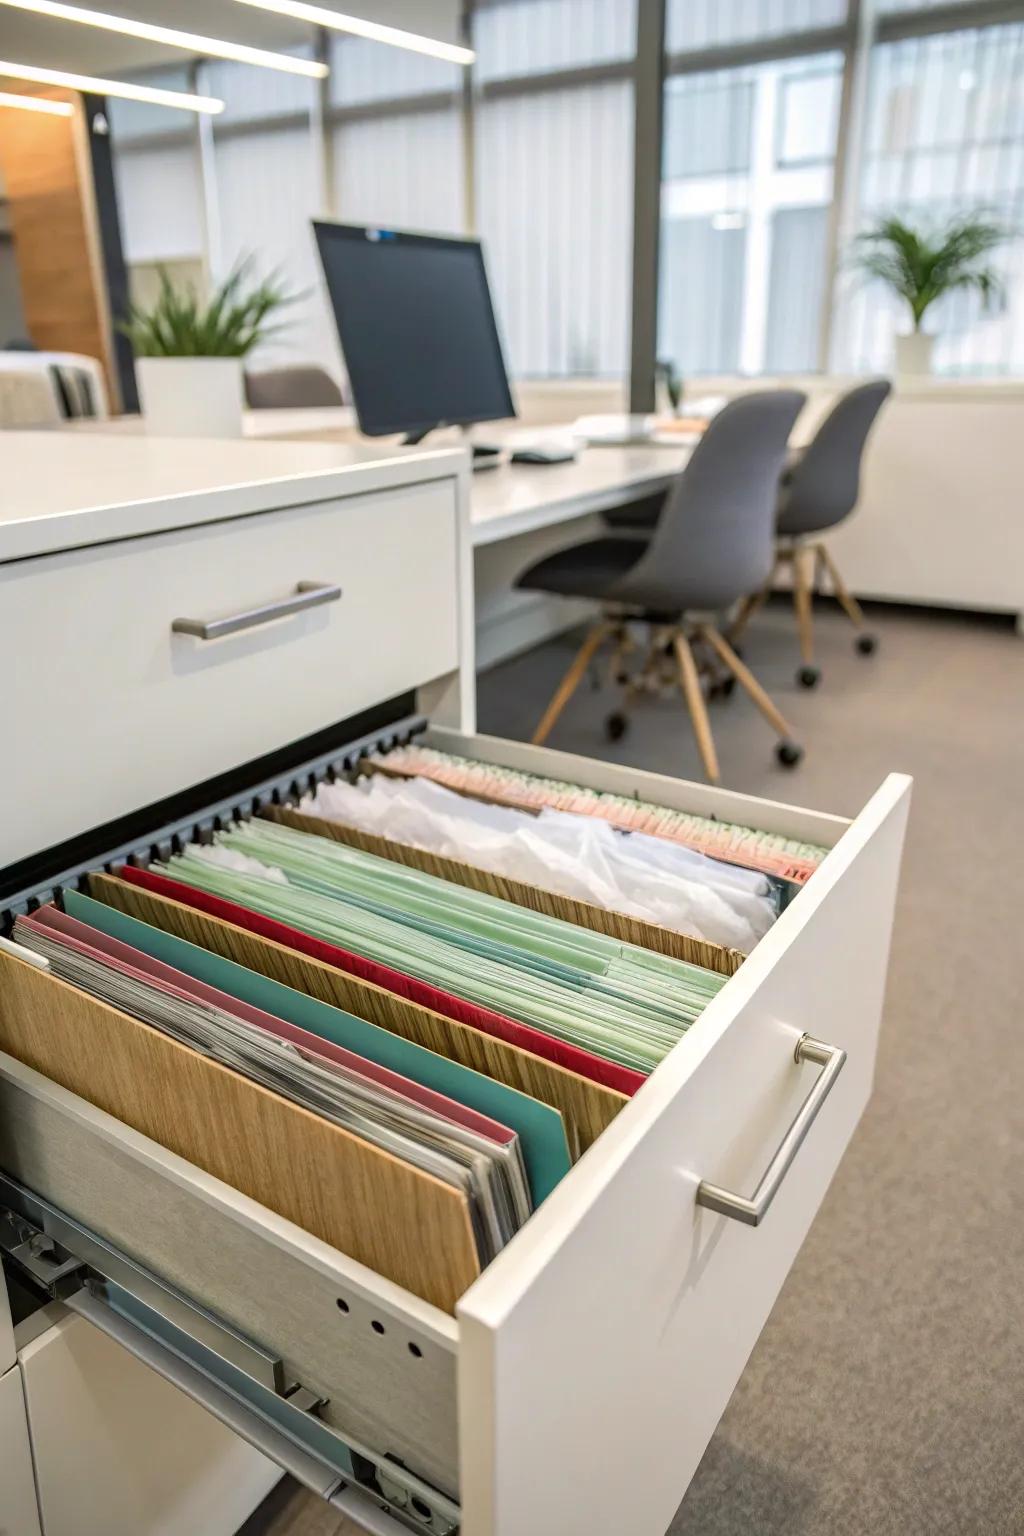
94	86
36	104
374	31
214	47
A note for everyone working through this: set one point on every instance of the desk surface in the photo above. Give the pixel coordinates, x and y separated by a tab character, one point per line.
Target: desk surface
509	500
62	490
518	498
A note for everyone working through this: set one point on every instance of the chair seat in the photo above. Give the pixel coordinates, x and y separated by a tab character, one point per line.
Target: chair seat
583	570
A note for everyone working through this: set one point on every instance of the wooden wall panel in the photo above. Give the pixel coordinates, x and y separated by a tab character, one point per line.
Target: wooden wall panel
45	165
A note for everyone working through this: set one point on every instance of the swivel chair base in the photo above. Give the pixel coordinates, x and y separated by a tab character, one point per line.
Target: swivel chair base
669	659
806	584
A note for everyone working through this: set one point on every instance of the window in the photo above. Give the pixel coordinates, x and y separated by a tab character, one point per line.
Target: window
692	25
397	146
747	167
159	188
944	135
554	180
267	189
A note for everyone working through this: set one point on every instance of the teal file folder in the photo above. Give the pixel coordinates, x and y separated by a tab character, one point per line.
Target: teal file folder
539	1127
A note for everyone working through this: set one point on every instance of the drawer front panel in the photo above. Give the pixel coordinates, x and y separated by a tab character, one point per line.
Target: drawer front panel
106	709
273	1283
19	1512
599	1350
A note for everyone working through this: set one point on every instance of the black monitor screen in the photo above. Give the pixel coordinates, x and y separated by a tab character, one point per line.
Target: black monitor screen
417	328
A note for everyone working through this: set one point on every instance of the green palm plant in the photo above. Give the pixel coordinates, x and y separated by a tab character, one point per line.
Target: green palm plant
229	324
922	265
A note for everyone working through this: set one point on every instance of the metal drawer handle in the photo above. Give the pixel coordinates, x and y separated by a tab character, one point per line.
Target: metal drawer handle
751	1212
307	594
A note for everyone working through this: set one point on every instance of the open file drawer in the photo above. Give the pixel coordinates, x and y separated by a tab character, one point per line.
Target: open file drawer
586	1369
584	1372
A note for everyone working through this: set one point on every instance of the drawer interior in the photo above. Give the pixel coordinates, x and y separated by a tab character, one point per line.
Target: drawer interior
555	1321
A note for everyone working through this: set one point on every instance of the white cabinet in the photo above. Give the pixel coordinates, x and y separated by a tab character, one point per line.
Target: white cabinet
19	1512
118	1451
6	1329
584	1372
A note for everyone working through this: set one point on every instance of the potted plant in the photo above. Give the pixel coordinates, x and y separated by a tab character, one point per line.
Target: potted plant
189	351
921	266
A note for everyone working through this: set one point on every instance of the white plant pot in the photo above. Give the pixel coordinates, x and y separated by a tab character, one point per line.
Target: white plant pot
914	354
191	396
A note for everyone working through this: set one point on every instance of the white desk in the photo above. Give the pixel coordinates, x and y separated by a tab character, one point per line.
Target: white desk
518	512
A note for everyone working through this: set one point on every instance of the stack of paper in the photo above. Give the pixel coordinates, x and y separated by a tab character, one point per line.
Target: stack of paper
785	857
582	857
477	1156
623	1002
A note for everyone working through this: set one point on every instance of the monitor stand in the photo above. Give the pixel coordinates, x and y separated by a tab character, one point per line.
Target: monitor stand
485	455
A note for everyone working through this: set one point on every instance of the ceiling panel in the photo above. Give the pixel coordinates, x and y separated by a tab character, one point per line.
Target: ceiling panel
38	40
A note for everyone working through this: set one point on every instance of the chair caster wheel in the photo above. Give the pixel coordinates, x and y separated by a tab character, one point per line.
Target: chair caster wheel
615	726
809	677
788	753
867	644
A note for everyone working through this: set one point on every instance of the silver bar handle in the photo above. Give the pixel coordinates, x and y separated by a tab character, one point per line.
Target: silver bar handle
752	1212
307	594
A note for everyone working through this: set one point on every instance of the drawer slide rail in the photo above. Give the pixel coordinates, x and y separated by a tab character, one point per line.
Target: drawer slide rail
233	1377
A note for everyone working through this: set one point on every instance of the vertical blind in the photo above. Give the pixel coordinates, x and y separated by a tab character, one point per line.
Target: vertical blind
944	136
266	183
696	24
748	168
405	171
554	181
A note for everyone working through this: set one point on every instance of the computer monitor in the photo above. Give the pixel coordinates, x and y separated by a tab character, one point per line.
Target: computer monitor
417	328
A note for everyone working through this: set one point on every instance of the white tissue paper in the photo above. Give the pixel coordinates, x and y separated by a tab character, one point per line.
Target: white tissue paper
573	855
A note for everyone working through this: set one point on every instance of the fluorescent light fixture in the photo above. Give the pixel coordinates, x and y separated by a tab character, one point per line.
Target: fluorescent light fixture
322	16
212	46
97	87
36	104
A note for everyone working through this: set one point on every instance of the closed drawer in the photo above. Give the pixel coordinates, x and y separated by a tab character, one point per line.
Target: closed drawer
586	1369
109	709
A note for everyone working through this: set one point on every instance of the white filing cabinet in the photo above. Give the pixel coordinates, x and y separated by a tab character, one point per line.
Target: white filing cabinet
6	1329
19	1514
575	1389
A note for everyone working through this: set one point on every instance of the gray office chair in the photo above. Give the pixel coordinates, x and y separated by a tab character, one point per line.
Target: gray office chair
819	488
278	389
713	544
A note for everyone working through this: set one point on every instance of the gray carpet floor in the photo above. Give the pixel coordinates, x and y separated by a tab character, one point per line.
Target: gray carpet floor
886	1394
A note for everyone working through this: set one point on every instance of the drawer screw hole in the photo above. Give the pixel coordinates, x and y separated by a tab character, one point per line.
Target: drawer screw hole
377	1327
414	1349
342	1305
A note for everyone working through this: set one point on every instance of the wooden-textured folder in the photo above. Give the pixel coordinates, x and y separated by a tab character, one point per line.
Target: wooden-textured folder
587	1108
617	925
401	1222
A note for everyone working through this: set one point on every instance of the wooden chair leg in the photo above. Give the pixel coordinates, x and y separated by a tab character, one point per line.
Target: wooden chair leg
750	604
570	682
847	602
746	679
690	680
802	603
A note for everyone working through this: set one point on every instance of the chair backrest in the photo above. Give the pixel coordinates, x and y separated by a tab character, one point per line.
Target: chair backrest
715	538
75	380
290	389
27	399
822	486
